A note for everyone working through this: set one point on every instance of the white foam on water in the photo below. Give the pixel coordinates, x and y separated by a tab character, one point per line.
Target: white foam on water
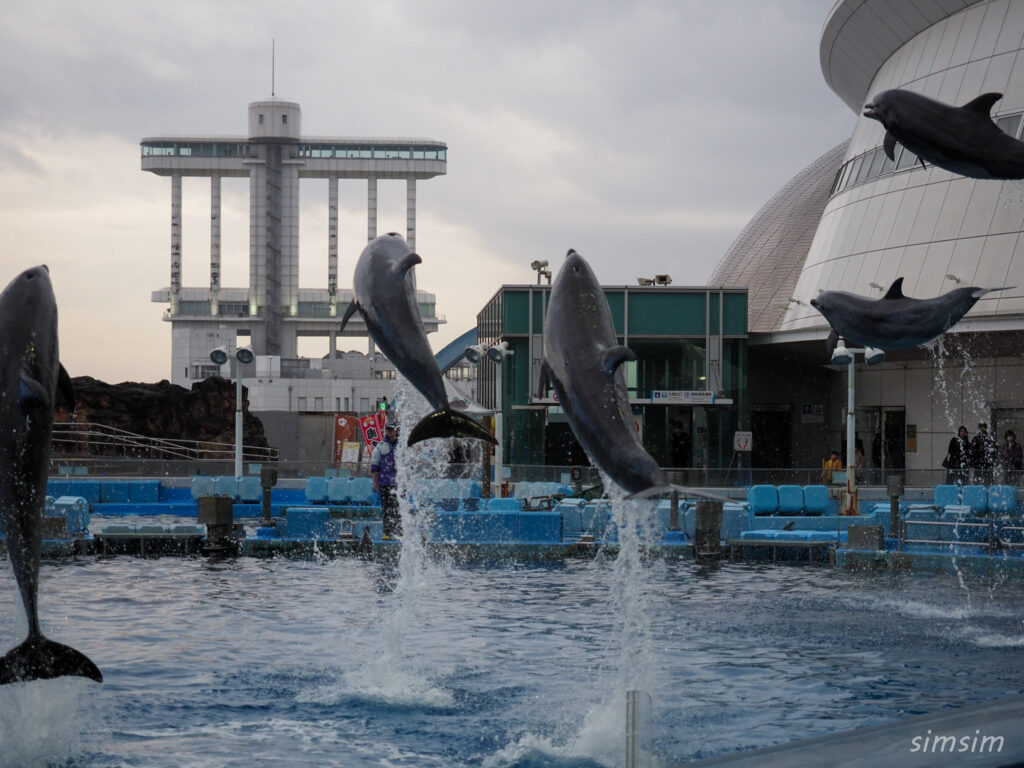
602	735
383	684
42	722
391	672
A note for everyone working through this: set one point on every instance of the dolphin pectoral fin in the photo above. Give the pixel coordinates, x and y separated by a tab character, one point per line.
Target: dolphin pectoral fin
66	388
668	490
613	357
448	423
889	145
31	394
895	290
407	262
983	104
39	658
831	341
352	307
545	380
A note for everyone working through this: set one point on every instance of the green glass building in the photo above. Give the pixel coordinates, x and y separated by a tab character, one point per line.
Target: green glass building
688	386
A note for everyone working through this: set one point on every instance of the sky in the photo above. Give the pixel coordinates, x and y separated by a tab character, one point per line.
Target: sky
644	135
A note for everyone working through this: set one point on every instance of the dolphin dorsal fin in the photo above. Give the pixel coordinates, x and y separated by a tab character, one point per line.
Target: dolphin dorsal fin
983	104
613	357
895	290
407	262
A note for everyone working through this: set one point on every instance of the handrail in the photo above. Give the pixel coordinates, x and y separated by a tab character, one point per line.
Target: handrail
993	541
77	438
1010	544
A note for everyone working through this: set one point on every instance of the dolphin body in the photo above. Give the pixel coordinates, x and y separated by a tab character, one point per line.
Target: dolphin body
963	140
582	361
32	375
895	321
386	298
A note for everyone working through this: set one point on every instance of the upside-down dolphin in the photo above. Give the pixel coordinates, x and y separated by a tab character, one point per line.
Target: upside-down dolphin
386	298
895	321
963	139
583	362
32	375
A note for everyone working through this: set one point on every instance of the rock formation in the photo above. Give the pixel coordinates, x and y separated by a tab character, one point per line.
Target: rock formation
163	410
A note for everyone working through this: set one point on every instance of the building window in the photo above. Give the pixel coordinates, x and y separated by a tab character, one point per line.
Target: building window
302	403
261	119
364	404
346	403
284	119
318	403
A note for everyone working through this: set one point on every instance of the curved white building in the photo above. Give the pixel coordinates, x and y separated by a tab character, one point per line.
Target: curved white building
883	219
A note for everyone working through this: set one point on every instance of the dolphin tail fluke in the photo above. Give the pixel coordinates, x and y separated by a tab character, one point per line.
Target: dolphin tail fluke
39	658
448	423
669	489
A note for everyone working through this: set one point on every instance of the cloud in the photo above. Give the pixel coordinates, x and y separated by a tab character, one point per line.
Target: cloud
644	135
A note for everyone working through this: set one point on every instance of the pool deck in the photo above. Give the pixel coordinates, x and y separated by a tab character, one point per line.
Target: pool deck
983	735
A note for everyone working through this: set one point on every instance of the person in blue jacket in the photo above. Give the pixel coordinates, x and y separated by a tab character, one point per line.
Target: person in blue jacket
385	481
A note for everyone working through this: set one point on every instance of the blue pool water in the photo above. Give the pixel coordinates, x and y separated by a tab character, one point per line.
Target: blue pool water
352	663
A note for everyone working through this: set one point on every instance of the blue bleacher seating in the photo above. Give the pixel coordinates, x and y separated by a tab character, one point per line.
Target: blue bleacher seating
975	497
791	499
816	500
339	490
249	489
763	499
202	485
1002	499
946	495
226	485
316	490
361	490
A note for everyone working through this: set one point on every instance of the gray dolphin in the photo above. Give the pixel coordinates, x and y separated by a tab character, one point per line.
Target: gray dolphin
582	362
963	139
386	298
895	321
32	374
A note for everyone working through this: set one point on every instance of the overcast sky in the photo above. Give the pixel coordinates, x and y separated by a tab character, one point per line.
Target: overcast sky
643	134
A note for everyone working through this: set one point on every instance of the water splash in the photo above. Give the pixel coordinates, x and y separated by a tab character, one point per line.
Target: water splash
42	722
396	675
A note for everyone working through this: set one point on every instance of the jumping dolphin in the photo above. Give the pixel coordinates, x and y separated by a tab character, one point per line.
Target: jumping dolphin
385	296
582	361
963	139
32	375
895	321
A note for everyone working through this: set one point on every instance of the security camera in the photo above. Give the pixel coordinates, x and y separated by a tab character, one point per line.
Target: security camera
539	264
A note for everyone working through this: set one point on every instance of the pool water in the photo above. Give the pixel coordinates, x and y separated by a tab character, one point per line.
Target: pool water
352	663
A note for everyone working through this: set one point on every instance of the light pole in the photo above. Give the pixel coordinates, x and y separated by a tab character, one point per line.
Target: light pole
244	356
842	355
496	354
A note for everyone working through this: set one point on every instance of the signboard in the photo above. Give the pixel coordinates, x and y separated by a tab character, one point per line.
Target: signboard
350	452
683	396
345	430
372	427
742	441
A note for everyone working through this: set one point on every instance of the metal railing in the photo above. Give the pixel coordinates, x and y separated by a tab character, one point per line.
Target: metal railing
83	439
992	542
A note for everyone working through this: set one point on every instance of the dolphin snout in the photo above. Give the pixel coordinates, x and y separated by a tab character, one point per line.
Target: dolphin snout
815	304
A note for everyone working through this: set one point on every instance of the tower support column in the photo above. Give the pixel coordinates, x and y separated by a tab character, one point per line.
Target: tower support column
214	245
175	242
371	208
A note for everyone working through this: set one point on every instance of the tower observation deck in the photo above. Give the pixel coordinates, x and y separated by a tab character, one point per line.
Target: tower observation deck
272	310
